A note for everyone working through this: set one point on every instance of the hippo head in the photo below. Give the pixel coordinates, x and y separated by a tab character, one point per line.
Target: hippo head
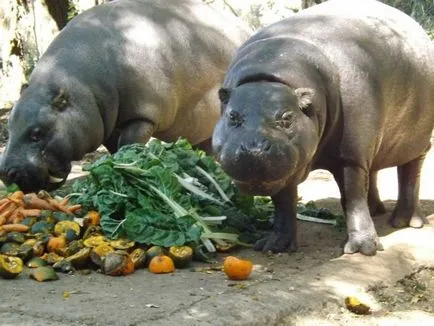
46	133
266	136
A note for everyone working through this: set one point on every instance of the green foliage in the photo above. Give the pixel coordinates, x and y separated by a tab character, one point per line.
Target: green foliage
421	10
72	11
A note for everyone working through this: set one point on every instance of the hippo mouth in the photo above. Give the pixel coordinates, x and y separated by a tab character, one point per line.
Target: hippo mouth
263	188
55	180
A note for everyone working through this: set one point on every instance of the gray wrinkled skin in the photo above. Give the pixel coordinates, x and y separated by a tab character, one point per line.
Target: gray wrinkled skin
346	86
120	73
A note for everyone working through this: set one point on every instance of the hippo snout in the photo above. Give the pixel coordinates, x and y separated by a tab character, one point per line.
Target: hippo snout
22	177
255	158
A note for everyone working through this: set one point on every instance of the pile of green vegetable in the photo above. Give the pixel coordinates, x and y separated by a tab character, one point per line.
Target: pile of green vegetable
169	194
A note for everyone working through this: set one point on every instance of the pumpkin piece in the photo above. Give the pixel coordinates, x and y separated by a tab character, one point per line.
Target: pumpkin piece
3	237
10	249
62	227
95	241
25	252
80	258
64	266
29	221
16	237
181	255
38	248
161	264
138	256
98	254
36	262
227	246
92	230
42	227
122	244
74	247
237	269
10	267
354	305
44	273
152	252
91	218
118	263
30	241
51	258
71	235
56	244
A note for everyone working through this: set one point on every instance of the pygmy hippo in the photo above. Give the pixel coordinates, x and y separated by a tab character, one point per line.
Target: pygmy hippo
120	73
346	86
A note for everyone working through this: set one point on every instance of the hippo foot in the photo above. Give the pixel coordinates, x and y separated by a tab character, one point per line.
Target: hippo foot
276	242
399	221
365	243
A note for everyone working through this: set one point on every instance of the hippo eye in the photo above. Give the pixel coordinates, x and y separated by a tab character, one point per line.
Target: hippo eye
285	120
235	118
36	135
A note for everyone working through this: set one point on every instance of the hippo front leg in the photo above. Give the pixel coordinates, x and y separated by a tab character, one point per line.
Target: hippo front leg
353	183
136	131
284	234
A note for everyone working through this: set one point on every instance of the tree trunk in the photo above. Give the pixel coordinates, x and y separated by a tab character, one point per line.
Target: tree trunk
58	9
309	3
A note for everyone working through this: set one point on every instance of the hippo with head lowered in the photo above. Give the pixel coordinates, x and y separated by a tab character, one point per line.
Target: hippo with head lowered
120	73
346	86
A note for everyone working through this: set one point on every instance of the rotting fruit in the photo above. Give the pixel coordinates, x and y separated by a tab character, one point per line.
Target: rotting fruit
237	269
161	264
181	255
10	267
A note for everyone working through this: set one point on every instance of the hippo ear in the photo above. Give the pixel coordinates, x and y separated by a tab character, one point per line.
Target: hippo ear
305	97
61	101
224	94
23	88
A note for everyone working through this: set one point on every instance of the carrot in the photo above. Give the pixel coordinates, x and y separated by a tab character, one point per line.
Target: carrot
16	196
72	209
3	205
15	217
64	201
30	212
7	212
14	228
33	201
4	200
21	213
58	206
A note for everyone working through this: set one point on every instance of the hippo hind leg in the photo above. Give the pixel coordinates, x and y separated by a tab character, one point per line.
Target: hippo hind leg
407	210
376	206
362	237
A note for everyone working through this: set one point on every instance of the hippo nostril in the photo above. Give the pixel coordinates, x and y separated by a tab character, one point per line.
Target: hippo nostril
255	146
12	174
266	146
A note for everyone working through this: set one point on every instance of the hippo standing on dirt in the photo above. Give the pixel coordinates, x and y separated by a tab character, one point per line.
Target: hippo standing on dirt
346	86
120	73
